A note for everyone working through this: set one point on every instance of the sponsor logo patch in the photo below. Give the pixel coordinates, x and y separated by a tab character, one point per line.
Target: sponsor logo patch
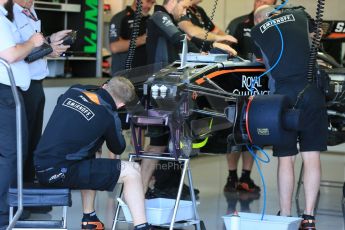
277	21
82	109
263	131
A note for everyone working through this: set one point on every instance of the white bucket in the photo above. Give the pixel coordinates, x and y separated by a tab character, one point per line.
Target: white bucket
160	211
270	222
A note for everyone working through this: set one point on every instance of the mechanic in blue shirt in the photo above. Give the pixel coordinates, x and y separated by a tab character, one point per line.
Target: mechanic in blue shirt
84	118
14	53
290	77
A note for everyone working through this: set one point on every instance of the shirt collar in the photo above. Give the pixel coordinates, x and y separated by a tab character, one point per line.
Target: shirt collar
130	10
107	98
20	8
162	8
3	10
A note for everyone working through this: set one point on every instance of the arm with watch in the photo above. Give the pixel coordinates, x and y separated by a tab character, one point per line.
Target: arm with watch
61	41
55	45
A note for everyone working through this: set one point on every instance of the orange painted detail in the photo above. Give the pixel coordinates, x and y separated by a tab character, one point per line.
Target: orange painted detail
96	225
336	35
221	72
247	120
93	97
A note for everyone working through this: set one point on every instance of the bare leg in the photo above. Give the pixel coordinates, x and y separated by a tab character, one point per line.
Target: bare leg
233	160
286	180
88	199
247	161
148	165
133	191
311	179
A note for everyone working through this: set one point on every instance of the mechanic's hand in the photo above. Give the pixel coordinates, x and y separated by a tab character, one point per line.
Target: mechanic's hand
58	48
141	40
226	39
58	36
225	47
37	39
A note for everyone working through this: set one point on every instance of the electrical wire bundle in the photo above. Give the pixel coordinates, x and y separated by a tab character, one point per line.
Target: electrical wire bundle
134	35
208	29
315	43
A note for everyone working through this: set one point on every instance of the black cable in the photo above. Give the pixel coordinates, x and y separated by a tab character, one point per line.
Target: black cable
134	35
315	43
208	26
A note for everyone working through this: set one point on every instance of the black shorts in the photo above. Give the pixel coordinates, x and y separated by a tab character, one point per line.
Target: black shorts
159	135
94	174
314	132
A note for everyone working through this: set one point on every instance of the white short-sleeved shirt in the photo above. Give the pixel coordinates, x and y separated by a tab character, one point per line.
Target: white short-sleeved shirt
9	38
26	28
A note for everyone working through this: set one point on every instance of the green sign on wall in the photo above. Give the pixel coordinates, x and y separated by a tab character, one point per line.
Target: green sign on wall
90	25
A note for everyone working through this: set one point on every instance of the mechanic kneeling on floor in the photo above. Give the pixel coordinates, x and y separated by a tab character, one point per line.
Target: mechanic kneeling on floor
84	118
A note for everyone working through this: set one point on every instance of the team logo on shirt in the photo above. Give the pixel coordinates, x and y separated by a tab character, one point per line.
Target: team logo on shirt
277	21
167	22
113	31
82	109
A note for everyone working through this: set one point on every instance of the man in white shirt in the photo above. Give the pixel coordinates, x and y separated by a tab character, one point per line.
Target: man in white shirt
12	51
27	23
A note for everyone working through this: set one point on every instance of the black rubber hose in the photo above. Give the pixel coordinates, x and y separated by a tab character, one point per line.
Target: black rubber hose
134	36
315	43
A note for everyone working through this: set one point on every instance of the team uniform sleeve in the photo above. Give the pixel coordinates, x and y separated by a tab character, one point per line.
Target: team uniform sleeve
205	45
113	137
208	23
167	28
115	28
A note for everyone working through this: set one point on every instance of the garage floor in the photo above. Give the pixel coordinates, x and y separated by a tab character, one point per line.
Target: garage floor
210	174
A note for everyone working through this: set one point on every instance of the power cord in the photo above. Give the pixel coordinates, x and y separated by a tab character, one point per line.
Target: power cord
315	43
214	8
134	35
257	159
250	148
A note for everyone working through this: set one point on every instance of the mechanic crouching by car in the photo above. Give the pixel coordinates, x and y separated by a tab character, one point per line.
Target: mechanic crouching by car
84	118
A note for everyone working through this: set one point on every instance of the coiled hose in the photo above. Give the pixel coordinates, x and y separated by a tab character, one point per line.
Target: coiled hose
315	43
208	29
134	36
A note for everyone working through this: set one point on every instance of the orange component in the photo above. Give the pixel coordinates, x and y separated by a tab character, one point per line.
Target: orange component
336	35
250	99
221	72
93	97
98	225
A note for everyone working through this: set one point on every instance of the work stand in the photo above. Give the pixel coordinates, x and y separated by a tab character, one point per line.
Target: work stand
159	119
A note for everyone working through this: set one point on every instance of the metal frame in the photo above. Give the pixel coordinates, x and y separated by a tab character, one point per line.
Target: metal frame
42	224
13	220
186	170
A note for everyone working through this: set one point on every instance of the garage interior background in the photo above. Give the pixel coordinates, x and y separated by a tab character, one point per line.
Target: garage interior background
230	9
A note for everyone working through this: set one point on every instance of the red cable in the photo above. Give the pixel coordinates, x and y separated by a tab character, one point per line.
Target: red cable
247	120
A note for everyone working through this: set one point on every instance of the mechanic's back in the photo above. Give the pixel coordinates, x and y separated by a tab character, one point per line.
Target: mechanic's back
80	123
